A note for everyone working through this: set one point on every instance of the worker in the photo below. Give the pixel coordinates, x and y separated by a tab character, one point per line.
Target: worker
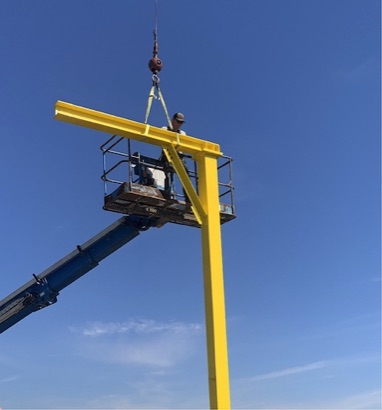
155	177
177	121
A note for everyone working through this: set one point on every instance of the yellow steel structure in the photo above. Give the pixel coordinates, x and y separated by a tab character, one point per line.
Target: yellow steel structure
206	209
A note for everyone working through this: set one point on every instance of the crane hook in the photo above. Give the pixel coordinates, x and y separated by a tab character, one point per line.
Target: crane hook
155	64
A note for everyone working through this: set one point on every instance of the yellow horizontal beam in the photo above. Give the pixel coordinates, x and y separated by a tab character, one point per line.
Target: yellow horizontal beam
123	127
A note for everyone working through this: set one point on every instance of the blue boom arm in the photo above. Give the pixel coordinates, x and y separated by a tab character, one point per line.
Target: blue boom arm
42	291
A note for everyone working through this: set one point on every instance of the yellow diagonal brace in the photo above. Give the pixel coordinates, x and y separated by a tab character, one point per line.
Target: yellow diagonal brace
197	206
123	127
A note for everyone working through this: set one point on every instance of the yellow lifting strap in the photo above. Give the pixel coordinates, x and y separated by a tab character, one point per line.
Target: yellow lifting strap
153	96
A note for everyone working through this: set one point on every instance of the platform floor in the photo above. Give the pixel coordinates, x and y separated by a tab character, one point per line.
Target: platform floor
147	201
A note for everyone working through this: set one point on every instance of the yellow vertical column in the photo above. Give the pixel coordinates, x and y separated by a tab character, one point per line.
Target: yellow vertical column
218	371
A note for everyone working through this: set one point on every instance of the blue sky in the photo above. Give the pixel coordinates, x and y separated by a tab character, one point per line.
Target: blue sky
291	90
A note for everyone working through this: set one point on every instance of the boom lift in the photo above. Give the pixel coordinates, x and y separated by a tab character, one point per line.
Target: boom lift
144	206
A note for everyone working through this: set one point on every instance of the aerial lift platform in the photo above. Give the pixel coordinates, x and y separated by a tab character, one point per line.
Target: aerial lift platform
143	192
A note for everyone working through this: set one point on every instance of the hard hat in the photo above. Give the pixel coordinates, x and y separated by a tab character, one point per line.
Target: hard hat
179	117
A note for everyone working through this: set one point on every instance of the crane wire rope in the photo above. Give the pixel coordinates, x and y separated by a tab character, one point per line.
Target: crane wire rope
155	65
156	16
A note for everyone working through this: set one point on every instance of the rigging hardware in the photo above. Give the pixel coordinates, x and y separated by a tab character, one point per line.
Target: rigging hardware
156	65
